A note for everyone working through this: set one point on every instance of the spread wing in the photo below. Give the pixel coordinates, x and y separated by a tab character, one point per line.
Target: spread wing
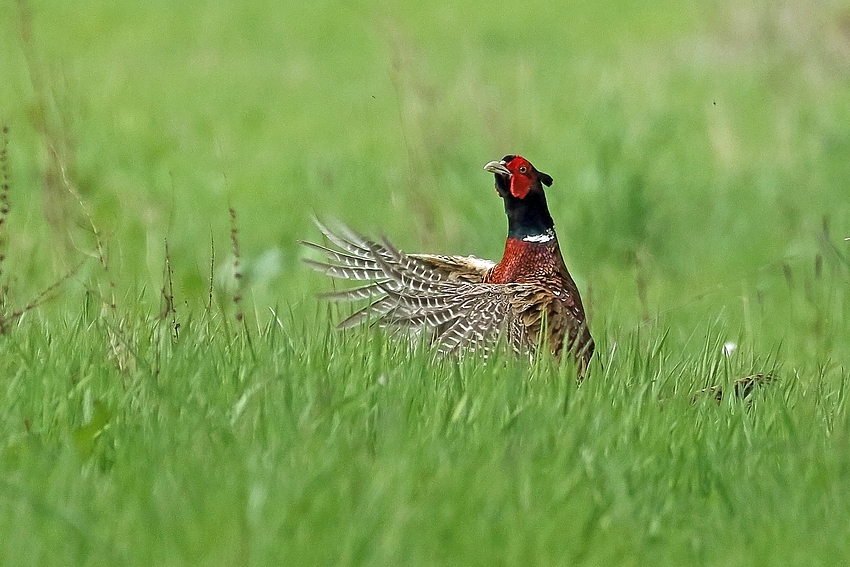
441	294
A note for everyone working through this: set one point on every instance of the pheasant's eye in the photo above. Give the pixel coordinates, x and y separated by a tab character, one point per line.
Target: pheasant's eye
522	169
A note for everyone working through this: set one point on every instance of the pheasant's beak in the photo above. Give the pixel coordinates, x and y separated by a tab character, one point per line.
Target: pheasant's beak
498	167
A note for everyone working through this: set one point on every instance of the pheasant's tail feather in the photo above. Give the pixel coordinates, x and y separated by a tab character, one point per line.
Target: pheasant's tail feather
371	290
347	240
343	271
343	258
372	312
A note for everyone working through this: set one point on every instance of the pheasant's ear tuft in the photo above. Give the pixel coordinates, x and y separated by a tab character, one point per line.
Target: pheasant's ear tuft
546	179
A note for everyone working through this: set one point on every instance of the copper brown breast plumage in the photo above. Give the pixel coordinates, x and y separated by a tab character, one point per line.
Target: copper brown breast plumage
527	300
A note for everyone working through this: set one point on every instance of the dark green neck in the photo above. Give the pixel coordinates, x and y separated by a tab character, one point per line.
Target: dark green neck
529	216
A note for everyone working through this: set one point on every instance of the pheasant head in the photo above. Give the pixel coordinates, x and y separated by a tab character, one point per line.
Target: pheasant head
520	185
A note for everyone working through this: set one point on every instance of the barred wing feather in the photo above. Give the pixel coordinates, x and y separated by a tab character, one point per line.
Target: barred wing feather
442	294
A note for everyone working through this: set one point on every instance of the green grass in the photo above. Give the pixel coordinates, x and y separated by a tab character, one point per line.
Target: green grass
699	153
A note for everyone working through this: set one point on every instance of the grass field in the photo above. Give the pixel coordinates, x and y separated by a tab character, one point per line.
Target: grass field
173	394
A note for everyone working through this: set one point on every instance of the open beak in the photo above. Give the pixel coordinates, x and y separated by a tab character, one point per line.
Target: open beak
497	167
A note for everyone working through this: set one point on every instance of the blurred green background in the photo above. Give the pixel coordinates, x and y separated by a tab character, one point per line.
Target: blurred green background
695	146
701	158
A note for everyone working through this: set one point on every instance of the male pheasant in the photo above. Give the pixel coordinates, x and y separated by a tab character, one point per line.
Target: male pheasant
527	300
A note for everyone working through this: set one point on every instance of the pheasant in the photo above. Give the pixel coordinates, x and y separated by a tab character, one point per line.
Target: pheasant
528	300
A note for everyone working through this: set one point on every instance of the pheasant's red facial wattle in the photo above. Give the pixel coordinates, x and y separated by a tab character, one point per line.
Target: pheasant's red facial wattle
520	186
521	176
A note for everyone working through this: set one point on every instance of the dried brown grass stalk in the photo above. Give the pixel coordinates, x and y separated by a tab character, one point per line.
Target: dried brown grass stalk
9	316
237	266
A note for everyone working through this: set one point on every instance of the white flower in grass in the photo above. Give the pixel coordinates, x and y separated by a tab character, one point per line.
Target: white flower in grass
729	347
